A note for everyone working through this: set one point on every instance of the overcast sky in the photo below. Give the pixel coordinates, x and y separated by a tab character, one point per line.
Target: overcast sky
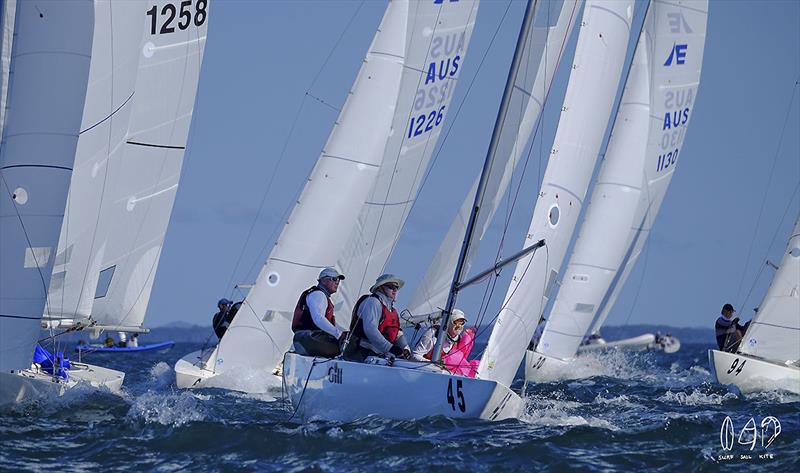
276	73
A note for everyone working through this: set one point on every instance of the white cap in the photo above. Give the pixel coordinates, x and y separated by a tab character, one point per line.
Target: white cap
329	273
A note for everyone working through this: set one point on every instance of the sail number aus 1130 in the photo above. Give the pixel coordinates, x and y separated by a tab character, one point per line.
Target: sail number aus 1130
186	16
451	396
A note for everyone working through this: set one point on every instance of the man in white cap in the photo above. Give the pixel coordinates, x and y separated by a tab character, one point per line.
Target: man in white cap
375	325
314	323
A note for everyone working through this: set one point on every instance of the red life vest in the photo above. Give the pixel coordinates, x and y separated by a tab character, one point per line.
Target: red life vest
388	326
302	315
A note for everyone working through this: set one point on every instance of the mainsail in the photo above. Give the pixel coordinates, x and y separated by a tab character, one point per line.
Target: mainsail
145	178
677	59
640	125
774	332
541	54
49	72
389	86
433	63
596	71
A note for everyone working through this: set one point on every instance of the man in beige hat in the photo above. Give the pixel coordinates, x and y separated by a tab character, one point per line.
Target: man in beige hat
314	323
375	327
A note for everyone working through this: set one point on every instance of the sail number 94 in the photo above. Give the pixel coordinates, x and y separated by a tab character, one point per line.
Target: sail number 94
451	396
185	13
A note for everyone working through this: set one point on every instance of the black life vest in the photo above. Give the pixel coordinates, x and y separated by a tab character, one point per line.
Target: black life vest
302	315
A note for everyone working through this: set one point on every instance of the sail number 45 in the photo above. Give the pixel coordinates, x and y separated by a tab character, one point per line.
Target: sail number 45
186	16
451	399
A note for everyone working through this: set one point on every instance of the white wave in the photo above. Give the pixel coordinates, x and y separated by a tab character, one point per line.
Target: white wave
696	398
167	409
547	412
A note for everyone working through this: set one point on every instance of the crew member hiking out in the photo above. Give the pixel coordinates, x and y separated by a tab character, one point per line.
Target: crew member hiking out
375	326
314	323
728	330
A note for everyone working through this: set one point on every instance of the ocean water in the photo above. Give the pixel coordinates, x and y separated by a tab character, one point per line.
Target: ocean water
630	411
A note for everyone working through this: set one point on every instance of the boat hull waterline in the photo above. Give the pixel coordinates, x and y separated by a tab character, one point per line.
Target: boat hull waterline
338	390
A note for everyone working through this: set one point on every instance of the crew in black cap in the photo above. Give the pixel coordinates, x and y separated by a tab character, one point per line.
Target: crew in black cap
728	330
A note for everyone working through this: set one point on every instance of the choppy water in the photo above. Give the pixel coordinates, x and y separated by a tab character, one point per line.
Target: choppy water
636	411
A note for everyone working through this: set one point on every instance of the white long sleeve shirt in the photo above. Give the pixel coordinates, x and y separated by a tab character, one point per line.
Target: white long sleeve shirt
317	303
370	312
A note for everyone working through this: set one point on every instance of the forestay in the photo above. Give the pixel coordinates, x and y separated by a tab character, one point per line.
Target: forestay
596	70
145	179
438	37
328	207
677	59
541	55
774	333
106	113
49	72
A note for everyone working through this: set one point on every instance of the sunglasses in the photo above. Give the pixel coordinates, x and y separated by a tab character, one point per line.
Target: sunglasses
393	287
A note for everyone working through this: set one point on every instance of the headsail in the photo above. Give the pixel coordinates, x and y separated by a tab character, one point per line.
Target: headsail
543	51
145	179
774	332
106	113
49	75
677	59
433	63
599	56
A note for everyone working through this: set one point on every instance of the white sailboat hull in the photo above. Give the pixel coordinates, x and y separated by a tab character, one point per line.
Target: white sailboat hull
332	389
644	342
541	368
30	384
191	372
751	374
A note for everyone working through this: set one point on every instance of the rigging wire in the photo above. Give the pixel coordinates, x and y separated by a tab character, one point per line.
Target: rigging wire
766	190
282	154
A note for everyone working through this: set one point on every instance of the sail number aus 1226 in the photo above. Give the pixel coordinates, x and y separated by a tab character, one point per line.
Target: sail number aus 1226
425	122
186	16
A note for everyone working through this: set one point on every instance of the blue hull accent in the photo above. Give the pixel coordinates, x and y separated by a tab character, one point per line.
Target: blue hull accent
101	348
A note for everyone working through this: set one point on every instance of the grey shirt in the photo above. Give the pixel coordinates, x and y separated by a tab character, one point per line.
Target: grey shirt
370	312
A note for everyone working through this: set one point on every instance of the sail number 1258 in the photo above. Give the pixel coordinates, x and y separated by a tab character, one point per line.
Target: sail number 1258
186	16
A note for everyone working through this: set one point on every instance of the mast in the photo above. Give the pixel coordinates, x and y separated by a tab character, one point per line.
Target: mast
487	166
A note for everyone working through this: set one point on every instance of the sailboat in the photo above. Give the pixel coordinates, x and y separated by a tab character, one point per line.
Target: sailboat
143	84
366	180
45	77
769	355
648	133
325	388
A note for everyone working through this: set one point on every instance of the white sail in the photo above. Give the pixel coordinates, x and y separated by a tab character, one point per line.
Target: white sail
145	178
774	332
433	63
8	10
326	212
595	260
49	73
599	57
677	59
106	113
543	51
